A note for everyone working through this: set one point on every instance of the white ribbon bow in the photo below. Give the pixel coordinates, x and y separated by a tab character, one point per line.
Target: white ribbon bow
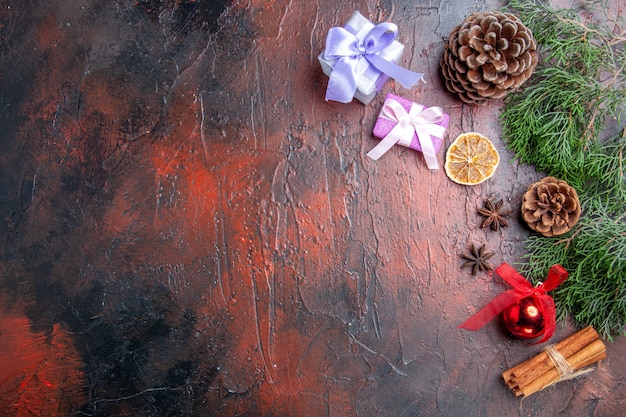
422	122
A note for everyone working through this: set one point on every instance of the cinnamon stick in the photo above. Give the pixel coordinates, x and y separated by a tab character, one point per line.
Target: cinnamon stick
533	368
588	355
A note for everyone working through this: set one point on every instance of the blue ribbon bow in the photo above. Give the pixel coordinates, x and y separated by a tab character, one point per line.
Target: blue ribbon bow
350	49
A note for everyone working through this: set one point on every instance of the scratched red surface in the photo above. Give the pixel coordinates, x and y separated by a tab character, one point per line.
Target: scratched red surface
190	229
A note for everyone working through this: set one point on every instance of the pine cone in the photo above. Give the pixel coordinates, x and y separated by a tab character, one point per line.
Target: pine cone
487	56
550	207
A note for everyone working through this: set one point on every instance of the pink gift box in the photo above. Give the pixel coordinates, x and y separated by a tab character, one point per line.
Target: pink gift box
383	125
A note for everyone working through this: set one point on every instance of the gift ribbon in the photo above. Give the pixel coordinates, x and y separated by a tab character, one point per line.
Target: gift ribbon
418	120
349	49
522	289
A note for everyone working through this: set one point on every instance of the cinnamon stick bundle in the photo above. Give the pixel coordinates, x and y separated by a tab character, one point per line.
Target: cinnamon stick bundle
573	353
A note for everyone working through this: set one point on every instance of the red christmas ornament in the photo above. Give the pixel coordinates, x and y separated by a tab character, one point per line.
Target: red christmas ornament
524	319
527	311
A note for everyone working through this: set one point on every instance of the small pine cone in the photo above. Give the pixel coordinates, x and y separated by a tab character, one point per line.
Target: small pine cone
487	56
551	207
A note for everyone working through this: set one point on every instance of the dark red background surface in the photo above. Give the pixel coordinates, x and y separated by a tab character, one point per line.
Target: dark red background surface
190	229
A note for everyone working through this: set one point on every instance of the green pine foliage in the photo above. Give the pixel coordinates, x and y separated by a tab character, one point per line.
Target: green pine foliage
566	122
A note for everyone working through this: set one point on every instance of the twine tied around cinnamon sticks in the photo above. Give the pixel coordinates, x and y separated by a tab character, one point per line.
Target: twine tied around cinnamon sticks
564	360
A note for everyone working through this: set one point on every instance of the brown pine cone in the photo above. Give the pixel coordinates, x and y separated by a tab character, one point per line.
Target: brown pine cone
550	207
487	56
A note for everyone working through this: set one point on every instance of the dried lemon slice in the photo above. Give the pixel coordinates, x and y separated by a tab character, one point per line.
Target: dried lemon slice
471	159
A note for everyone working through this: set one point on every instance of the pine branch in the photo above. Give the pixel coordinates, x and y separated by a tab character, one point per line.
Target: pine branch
559	123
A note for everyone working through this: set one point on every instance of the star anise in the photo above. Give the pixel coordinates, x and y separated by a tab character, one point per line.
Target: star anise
477	259
495	215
